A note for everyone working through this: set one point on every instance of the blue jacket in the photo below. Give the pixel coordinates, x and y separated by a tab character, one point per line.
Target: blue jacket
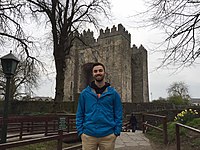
101	116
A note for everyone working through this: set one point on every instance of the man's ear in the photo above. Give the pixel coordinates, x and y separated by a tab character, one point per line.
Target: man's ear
107	76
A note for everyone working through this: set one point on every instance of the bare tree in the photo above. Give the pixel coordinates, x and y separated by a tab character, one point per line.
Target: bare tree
12	36
66	18
24	81
180	19
12	13
178	89
63	18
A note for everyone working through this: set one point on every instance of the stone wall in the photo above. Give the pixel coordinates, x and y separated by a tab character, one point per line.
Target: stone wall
112	48
35	107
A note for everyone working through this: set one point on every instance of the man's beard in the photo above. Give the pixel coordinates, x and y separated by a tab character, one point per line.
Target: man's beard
99	79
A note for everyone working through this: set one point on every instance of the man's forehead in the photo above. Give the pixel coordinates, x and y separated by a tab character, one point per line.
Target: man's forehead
98	67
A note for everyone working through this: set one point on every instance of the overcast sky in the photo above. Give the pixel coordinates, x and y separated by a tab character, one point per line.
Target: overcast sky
159	80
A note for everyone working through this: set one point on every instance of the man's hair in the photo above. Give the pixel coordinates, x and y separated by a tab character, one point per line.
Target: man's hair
98	64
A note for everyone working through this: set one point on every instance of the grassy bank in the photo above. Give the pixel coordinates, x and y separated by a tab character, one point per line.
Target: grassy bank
189	140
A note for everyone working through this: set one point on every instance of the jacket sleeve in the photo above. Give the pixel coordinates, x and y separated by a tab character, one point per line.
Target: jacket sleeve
80	115
118	114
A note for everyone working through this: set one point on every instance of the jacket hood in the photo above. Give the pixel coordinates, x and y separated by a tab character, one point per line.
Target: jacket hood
97	89
108	90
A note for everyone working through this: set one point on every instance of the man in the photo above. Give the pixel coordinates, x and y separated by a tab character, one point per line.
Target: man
99	113
133	122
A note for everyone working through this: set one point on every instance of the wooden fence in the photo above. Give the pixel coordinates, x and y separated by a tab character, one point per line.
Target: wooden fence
145	124
178	125
52	127
58	137
21	126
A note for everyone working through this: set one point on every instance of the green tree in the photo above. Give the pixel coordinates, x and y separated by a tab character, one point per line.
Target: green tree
64	20
159	100
178	93
177	100
179	19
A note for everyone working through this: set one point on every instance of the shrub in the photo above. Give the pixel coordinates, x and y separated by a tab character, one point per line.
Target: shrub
185	116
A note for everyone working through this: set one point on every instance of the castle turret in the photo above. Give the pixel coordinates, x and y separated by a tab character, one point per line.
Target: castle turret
140	90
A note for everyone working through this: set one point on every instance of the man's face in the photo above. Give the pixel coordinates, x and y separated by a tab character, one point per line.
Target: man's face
98	73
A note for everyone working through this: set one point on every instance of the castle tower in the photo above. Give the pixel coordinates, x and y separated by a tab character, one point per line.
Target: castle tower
139	65
112	48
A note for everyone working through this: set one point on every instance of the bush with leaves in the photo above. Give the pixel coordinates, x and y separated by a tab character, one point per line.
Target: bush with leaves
186	115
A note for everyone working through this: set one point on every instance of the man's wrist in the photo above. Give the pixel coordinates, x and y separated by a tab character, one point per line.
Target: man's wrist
116	134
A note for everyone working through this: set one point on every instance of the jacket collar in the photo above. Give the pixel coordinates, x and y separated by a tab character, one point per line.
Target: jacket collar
108	90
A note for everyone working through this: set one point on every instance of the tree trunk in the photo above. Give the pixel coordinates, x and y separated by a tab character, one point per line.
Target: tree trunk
59	56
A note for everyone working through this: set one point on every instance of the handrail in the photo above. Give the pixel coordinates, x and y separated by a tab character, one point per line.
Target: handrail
178	147
154	115
125	126
164	122
59	137
74	147
20	126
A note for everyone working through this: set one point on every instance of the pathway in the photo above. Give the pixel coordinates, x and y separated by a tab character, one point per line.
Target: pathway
132	141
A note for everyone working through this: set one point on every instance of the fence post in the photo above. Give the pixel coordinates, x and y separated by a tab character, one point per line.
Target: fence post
177	138
143	129
46	128
68	127
28	126
21	131
165	130
31	126
60	133
54	125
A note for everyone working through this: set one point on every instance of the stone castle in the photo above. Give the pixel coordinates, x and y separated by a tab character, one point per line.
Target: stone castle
126	66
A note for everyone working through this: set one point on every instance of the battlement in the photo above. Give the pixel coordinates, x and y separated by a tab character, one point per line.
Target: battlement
136	50
88	36
142	47
113	31
134	46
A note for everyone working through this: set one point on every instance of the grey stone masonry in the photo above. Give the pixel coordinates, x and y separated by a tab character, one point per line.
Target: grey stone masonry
126	66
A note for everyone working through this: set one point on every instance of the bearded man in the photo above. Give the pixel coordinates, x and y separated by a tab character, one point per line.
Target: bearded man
99	113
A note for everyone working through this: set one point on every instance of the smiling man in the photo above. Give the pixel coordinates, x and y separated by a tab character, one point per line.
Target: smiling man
99	113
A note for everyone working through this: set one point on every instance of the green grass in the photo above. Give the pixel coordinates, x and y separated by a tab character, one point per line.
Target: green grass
50	145
189	138
40	146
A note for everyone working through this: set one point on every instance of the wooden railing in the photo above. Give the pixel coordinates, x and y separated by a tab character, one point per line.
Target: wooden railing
145	124
21	130
59	138
19	127
178	125
126	126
